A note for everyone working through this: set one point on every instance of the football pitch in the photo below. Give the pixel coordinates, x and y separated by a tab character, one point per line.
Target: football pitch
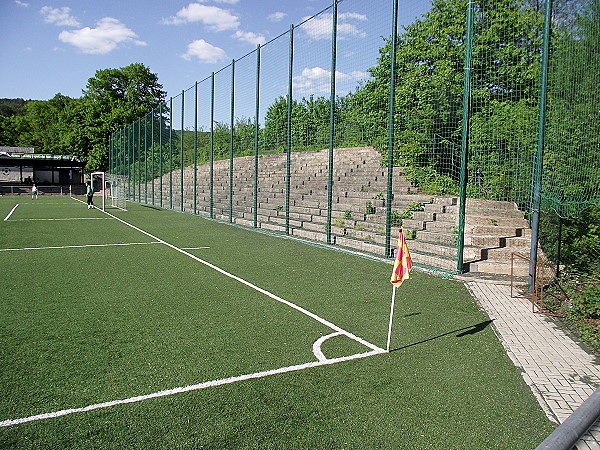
156	329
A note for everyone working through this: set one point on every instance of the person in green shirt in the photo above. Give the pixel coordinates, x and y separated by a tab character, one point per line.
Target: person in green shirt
90	195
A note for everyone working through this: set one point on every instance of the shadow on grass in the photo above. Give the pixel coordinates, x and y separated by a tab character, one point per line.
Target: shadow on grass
153	207
472	329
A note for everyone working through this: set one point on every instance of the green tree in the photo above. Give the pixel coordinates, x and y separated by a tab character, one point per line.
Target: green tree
8	132
429	85
11	106
572	153
310	123
44	124
114	98
243	136
275	129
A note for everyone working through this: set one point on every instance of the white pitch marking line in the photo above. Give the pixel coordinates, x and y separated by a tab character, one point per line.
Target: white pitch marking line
75	246
253	286
194	387
11	211
317	346
67	218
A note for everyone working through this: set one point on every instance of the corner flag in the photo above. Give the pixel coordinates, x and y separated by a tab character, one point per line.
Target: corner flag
401	272
403	263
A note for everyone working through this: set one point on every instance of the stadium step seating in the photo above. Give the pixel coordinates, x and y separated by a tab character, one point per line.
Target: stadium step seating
493	229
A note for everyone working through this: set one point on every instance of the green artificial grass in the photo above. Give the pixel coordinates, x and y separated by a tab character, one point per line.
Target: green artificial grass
86	325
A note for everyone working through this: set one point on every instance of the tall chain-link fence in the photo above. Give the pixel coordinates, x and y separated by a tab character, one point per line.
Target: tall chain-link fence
337	133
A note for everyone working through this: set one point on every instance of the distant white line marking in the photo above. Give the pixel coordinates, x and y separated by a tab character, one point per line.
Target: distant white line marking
68	218
75	246
193	387
11	211
317	346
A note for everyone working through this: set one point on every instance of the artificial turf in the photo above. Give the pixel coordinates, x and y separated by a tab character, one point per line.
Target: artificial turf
85	325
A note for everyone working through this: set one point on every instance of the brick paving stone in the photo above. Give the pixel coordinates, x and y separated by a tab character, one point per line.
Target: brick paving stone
560	373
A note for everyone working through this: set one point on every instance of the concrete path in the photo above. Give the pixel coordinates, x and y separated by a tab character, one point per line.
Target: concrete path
558	370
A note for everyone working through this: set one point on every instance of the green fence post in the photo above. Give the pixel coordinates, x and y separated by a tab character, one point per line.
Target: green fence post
122	154
114	165
113	153
133	183
152	154
388	207
212	142
128	136
231	121
160	152
171	153
110	153
195	148
123	145
256	132
132	162
539	159
146	159
332	118
118	152
124	149
139	164
460	244
289	132
181	151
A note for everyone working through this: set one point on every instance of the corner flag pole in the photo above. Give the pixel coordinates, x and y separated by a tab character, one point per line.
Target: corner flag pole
389	338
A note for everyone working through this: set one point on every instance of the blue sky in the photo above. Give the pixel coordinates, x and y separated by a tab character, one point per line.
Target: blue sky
55	46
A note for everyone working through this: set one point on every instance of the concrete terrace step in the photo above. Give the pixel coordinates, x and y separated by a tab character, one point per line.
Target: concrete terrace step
493	228
519	268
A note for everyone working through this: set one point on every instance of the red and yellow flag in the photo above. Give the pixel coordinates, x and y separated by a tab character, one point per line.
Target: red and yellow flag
403	263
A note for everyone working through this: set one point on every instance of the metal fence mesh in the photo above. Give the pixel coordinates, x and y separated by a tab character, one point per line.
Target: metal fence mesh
295	137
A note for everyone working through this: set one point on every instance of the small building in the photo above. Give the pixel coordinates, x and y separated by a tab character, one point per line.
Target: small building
22	166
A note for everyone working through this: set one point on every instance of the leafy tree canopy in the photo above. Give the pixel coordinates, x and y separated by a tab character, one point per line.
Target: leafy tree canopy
112	99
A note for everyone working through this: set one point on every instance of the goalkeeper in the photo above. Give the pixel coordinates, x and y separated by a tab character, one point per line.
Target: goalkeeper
90	195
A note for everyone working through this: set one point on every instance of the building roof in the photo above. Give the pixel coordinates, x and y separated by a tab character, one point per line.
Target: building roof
38	159
17	149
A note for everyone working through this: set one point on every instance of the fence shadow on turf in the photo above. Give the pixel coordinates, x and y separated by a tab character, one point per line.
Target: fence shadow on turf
472	329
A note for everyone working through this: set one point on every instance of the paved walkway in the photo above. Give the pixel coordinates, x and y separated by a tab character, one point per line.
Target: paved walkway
559	372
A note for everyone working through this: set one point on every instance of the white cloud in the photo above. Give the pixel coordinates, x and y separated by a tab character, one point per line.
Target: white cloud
250	37
59	16
277	16
319	27
317	80
23	4
107	36
205	52
216	19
